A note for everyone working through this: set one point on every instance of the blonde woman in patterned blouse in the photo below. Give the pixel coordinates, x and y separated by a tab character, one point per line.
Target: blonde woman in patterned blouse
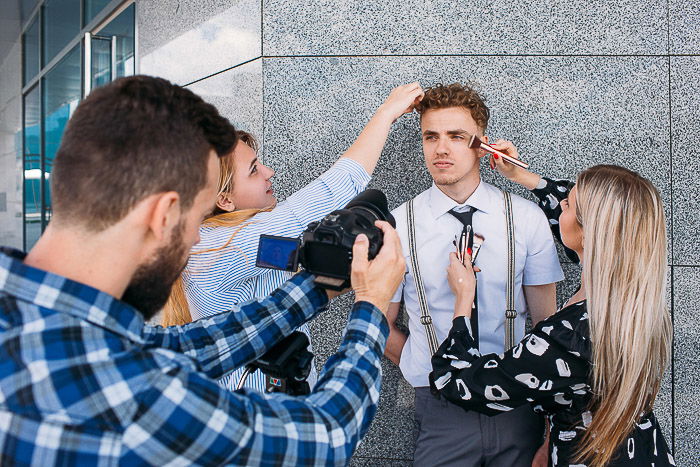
594	368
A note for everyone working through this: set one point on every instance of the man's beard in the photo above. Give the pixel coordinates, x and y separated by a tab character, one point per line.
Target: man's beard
150	285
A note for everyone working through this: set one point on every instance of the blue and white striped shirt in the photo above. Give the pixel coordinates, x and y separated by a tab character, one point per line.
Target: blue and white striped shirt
217	280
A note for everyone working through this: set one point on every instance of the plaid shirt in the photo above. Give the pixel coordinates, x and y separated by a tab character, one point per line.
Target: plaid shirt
83	381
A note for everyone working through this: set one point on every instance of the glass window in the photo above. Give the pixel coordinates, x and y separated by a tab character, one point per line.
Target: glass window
101	51
61	24
31	48
27	7
32	167
91	8
62	92
113	49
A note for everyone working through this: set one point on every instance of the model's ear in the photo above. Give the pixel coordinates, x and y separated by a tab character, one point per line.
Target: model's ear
483	152
164	215
225	201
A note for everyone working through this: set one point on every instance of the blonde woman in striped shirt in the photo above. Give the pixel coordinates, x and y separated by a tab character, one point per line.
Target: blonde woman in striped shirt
221	271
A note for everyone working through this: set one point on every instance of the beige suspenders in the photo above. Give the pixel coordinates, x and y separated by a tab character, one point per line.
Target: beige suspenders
425	318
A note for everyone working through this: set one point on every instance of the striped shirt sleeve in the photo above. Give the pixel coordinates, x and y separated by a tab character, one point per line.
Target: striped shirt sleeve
224	269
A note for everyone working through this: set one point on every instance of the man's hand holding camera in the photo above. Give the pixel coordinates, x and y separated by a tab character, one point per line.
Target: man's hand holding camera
376	281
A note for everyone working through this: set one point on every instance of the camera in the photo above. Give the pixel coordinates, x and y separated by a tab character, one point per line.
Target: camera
325	247
286	366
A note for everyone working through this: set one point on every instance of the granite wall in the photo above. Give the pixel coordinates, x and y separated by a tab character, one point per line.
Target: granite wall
573	83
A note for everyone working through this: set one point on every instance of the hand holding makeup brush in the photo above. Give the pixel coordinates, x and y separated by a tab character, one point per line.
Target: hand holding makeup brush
512	172
462	280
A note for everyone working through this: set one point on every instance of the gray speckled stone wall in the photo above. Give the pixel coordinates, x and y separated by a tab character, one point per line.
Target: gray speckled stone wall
572	83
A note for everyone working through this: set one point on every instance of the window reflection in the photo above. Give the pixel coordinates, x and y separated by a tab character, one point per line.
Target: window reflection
113	49
49	105
30	47
62	91
91	8
32	167
27	7
61	24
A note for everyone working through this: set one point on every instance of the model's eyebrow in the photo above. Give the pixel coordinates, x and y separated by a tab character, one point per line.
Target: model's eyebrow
449	132
252	163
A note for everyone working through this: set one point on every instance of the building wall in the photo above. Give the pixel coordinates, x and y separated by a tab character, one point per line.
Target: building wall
11	142
573	83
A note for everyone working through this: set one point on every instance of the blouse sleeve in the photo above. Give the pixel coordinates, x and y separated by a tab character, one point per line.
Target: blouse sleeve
214	268
541	368
550	194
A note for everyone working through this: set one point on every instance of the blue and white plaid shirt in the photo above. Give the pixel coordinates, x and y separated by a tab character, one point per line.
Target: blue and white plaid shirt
83	381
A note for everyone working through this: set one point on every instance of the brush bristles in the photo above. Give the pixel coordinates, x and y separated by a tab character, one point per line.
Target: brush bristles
475	142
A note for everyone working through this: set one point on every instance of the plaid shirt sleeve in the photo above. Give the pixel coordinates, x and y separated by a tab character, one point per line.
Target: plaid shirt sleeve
227	341
185	418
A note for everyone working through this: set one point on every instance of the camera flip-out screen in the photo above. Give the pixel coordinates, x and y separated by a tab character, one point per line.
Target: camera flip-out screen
278	253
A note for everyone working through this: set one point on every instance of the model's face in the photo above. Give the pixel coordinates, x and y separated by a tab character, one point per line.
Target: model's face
446	134
149	288
252	188
571	230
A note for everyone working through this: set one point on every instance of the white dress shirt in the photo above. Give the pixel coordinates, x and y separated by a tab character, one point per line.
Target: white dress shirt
536	263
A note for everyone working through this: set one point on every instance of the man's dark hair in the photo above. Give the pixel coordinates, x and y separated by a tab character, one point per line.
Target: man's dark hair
456	95
132	138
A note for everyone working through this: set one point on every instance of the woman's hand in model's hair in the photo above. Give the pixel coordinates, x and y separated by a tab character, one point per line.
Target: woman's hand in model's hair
401	100
462	280
369	144
512	172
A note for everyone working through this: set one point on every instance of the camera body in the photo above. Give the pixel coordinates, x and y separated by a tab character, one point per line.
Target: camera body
287	365
325	247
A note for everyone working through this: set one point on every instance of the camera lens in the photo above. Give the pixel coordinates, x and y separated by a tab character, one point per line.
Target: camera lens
374	202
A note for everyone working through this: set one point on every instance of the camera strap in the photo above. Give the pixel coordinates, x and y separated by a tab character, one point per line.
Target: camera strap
425	318
511	313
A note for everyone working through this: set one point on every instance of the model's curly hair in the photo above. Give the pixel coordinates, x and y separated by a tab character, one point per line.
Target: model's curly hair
443	96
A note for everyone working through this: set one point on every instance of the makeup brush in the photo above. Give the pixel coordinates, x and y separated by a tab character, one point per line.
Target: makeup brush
475	142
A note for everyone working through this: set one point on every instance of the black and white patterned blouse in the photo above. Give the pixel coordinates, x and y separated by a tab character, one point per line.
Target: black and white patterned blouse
551	193
548	369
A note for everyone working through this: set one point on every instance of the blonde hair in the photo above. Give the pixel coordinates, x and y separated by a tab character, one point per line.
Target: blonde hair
177	311
624	269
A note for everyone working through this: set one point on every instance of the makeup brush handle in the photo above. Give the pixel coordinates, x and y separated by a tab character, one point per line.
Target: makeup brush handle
505	156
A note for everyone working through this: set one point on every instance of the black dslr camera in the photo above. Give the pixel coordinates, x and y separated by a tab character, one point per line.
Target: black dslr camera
325	247
286	366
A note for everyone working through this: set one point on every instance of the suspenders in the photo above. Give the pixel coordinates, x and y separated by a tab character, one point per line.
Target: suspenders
425	318
511	313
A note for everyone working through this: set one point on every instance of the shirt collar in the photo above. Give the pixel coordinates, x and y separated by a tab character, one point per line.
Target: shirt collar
63	295
440	203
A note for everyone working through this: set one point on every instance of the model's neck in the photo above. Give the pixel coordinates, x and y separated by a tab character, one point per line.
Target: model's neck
463	189
97	260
